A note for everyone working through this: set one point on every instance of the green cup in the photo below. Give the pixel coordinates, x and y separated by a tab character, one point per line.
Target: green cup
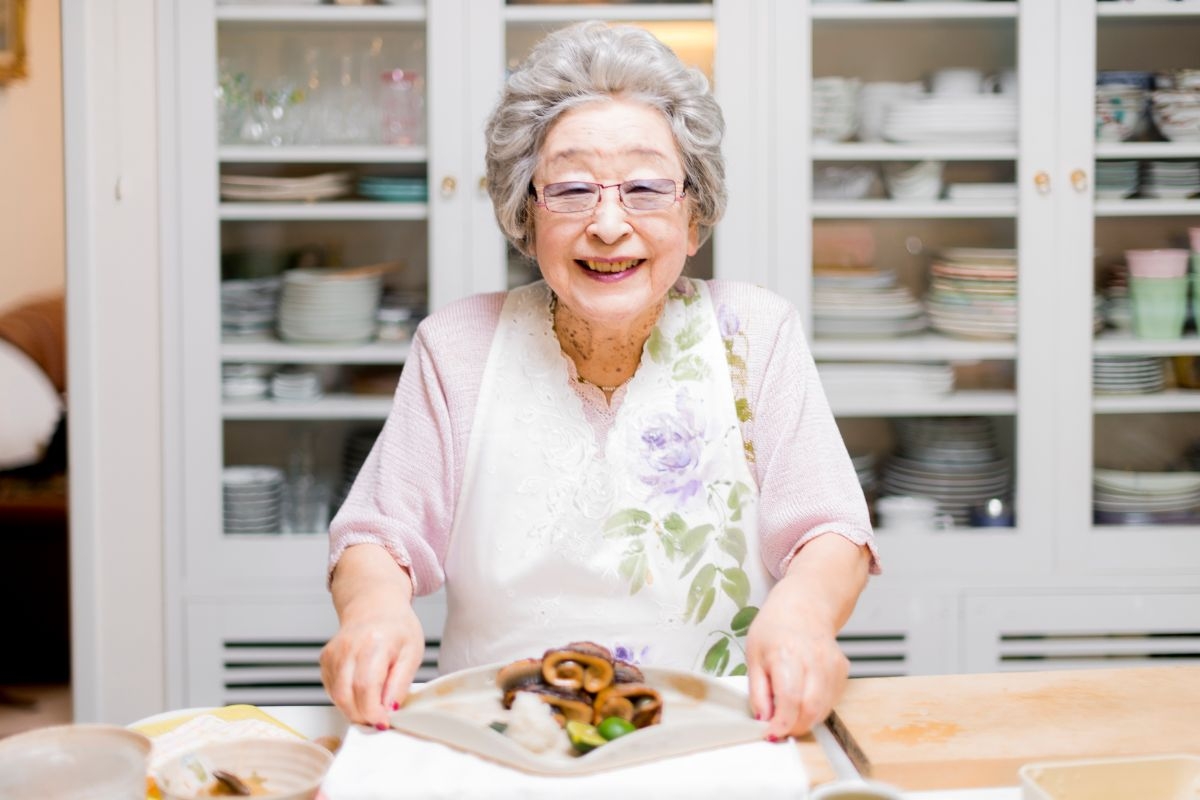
1159	306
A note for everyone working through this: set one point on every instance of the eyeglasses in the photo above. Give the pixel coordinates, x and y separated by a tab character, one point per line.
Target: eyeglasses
643	194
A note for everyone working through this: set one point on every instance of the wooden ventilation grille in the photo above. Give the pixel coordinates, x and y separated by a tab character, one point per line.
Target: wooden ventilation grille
1106	649
287	673
875	655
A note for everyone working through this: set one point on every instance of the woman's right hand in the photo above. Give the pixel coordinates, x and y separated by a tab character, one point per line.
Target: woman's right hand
368	666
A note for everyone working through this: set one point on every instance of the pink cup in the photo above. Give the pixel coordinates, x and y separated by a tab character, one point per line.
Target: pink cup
1157	263
1194	235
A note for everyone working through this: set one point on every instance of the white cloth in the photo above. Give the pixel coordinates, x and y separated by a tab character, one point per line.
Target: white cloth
389	765
645	542
30	408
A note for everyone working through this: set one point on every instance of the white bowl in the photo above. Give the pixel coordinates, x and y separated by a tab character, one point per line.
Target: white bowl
287	769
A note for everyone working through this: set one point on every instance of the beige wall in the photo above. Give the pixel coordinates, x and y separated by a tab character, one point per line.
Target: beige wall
32	250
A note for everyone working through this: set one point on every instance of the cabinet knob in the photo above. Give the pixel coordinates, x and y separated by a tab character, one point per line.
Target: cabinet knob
1079	180
449	186
1042	181
483	184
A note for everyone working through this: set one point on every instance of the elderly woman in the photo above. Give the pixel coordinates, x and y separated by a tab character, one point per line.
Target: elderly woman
615	453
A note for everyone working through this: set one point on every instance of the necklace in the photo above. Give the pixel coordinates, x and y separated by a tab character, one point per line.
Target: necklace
605	389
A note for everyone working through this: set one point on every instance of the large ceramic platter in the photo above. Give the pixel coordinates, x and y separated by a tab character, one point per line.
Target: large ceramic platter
699	713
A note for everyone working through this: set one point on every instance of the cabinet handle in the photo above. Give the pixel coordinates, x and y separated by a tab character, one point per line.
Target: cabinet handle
1042	181
1079	180
483	184
449	186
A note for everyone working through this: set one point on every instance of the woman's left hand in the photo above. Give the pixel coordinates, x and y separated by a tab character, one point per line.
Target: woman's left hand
796	670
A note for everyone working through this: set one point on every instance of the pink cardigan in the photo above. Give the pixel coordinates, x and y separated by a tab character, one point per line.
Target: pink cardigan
404	497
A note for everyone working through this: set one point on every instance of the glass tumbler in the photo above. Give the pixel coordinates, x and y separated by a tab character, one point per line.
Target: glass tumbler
402	107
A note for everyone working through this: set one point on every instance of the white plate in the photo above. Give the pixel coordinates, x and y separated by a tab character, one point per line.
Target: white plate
699	713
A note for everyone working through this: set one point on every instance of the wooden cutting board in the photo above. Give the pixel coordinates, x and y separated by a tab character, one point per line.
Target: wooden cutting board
962	731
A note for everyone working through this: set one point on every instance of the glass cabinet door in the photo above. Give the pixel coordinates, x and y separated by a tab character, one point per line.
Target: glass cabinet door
926	129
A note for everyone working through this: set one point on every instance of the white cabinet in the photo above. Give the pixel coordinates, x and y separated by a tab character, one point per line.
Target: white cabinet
1034	388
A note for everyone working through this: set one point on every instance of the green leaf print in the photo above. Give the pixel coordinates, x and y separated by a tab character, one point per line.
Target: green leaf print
737	496
736	585
675	524
716	655
740	624
740	669
694	545
692	333
742	406
633	569
702	584
658	347
690	368
629	522
733	542
706	603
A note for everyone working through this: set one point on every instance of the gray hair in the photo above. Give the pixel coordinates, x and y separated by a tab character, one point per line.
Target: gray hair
591	61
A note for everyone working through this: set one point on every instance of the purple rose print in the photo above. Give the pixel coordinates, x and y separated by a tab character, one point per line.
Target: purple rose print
630	655
670	449
728	321
683	288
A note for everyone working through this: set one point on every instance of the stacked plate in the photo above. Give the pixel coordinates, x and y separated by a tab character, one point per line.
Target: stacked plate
394	190
1174	180
864	468
296	384
863	303
834	108
354	453
952	459
1128	374
981	192
1121	497
967	119
244	381
323	186
248	307
852	381
253	499
973	293
1116	180
329	306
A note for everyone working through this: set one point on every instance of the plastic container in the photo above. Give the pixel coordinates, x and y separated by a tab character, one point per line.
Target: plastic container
1167	777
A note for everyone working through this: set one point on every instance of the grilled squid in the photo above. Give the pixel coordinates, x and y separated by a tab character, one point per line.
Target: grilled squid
632	702
579	665
566	704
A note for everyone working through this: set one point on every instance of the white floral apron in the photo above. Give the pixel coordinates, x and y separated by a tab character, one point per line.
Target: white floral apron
647	545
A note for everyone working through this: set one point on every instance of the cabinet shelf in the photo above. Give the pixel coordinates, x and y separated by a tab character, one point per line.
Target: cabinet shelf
1171	401
540	14
898	209
331	211
1129	150
276	352
923	347
1126	344
330	407
1149	8
1148	207
331	154
969	403
914	11
886	151
322	15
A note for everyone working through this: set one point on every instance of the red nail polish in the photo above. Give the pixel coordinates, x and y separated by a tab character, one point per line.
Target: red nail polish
772	738
757	717
395	706
382	726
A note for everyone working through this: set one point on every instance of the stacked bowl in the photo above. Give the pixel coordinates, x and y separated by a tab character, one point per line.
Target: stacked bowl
834	108
921	180
253	499
1158	289
1120	112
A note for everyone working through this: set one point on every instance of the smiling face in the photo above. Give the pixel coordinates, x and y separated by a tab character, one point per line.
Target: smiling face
611	266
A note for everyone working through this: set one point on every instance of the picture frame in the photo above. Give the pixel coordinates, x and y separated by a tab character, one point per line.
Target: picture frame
13	57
